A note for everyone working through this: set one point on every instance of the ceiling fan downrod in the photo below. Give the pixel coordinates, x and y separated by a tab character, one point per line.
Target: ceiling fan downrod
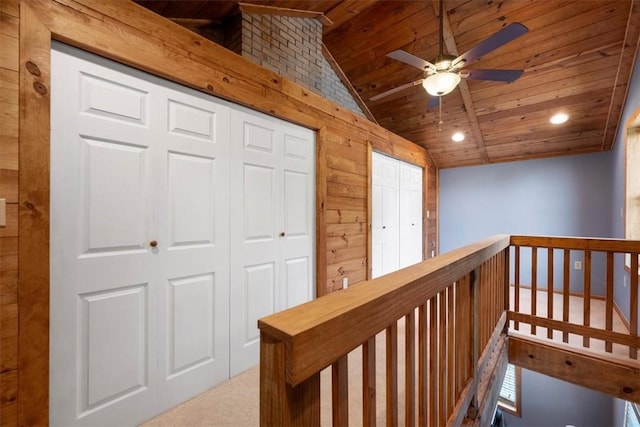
441	41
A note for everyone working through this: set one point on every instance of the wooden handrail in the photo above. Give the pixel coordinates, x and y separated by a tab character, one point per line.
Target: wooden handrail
445	342
315	334
578	243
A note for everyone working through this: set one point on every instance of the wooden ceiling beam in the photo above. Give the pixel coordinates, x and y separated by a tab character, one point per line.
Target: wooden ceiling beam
452	49
346	10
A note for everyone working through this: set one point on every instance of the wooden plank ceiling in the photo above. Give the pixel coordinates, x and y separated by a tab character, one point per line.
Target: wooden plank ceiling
577	57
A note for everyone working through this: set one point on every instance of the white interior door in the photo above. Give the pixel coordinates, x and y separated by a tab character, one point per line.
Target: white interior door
410	214
271	226
386	204
104	276
396	197
254	227
298	200
193	253
139	247
376	215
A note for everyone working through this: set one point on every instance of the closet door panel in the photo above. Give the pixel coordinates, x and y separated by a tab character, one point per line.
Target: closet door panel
410	221
191	303
272	225
376	215
259	290
192	183
193	243
385	199
259	208
255	196
297	210
297	286
104	279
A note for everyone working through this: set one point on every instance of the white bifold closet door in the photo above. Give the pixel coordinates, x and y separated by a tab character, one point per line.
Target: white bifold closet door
272	226
396	214
143	228
410	214
139	245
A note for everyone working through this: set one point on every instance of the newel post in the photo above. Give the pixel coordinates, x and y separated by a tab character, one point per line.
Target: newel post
280	403
472	412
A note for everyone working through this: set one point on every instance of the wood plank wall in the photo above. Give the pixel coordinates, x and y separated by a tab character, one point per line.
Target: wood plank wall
9	34
130	34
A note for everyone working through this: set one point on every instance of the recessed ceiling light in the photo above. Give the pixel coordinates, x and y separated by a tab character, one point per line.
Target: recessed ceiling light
457	137
559	118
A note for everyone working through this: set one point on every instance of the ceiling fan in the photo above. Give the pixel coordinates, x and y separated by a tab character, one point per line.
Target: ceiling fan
443	75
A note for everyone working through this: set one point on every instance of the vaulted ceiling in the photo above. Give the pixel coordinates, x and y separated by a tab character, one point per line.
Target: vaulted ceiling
577	58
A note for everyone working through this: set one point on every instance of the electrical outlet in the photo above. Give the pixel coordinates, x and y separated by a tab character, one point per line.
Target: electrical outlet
577	265
345	282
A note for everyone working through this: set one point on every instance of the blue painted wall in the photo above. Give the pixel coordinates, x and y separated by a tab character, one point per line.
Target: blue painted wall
561	196
550	402
618	179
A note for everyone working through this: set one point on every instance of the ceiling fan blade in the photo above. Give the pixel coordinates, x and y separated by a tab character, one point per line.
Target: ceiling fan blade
395	89
502	37
492	75
407	58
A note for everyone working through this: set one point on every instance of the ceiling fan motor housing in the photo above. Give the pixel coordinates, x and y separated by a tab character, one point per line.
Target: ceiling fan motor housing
443	62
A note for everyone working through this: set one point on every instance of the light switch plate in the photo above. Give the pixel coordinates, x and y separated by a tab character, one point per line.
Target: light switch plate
3	212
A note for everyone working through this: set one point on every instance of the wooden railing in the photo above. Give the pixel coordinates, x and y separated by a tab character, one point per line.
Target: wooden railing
454	312
570	275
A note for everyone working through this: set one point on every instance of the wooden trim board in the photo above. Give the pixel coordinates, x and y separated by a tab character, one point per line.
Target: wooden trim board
33	253
284	11
577	367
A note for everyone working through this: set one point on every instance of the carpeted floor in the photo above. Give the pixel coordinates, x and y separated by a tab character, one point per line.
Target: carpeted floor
235	403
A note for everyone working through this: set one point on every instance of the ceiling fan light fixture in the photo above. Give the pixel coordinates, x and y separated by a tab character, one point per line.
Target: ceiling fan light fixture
441	83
